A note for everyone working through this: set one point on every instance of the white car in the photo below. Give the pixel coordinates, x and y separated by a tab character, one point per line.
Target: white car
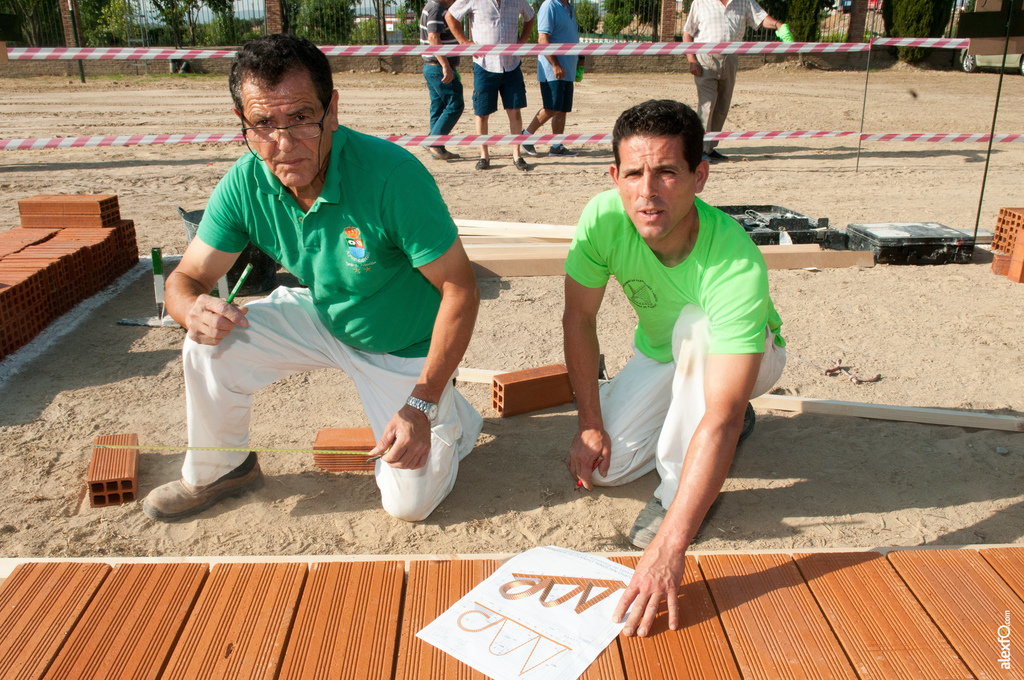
976	62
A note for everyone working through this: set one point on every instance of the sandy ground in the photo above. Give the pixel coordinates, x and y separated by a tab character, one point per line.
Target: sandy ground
943	336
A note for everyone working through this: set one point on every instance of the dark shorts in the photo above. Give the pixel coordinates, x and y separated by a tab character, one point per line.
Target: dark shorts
556	95
487	85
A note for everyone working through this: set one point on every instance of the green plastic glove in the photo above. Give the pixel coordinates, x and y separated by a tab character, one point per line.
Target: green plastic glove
785	35
579	69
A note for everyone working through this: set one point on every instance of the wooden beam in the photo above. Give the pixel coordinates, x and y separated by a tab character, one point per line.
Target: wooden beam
802	256
518	260
486	227
928	416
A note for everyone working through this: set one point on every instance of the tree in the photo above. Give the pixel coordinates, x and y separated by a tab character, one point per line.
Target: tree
39	19
622	13
918	19
365	33
803	21
172	13
225	27
587	16
326	22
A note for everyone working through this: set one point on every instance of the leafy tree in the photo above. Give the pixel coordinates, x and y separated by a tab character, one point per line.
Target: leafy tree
365	33
918	19
802	17
225	27
622	13
326	22
172	13
40	21
587	16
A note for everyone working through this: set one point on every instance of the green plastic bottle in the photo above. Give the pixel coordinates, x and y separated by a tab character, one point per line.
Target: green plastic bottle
579	69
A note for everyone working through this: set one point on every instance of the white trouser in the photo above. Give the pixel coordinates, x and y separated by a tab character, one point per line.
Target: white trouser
286	336
651	409
714	91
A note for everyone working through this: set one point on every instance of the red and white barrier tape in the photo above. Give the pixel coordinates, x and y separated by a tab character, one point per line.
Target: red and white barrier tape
500	140
522	50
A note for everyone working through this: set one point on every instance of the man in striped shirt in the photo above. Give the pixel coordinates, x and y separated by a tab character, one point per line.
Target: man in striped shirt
440	72
495	22
712	21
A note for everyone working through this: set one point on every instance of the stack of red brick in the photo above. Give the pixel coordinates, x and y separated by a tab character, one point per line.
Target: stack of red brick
1008	244
66	249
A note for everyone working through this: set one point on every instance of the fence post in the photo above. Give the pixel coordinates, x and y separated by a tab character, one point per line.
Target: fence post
275	20
72	34
858	19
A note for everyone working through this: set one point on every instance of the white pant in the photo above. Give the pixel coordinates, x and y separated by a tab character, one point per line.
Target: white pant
286	336
651	409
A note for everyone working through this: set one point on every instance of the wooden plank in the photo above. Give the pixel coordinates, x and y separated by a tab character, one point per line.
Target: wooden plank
240	624
909	414
347	624
432	587
515	229
40	603
518	260
697	649
477	375
882	627
802	256
967	600
132	623
1009	564
776	629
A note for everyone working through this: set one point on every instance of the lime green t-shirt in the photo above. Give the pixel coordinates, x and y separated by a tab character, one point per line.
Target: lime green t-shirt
379	217
725	276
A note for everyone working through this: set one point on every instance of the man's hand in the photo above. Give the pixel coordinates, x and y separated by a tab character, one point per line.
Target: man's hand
591	448
210	320
655	580
447	74
407	435
695	69
559	72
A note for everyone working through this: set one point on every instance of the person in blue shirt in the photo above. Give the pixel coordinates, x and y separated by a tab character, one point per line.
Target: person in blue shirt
556	23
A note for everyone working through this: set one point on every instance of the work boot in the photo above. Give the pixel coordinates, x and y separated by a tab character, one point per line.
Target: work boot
179	499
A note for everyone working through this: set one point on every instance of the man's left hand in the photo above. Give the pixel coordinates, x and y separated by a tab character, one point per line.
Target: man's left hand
655	580
559	72
408	436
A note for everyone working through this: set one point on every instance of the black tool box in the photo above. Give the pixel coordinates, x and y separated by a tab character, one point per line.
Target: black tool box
771	225
911	242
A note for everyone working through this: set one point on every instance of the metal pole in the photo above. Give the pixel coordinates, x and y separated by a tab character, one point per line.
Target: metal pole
864	106
74	34
992	132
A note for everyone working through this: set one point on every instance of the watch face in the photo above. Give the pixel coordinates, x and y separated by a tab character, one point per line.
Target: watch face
432	412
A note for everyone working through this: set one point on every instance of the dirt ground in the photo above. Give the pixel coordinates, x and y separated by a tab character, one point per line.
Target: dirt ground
941	336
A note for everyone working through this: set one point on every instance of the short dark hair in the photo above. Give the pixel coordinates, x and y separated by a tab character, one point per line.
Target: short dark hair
662	118
270	58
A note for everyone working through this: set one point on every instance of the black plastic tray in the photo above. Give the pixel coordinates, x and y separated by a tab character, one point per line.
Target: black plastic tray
911	242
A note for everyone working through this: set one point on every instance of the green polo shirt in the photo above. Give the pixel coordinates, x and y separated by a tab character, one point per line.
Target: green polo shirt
725	275
379	217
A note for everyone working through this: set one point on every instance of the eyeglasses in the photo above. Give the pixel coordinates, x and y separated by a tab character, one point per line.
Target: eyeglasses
267	133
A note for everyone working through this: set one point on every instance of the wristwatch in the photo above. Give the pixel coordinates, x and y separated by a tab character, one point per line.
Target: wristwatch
429	409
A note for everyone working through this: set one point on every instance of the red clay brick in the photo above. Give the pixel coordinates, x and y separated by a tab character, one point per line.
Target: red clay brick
343	439
132	623
239	626
967	599
531	390
1008	224
1015	271
69	221
883	628
771	618
40	604
1000	263
347	624
68	204
114	473
697	649
1009	564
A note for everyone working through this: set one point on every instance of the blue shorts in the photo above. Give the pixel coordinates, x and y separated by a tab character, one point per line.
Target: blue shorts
556	95
487	85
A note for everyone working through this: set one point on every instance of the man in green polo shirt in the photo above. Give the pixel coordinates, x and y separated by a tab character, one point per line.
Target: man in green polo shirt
389	297
706	342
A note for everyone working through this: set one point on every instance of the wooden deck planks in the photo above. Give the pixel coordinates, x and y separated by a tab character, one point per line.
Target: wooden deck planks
239	626
698	649
879	623
967	600
132	623
347	623
39	605
1009	563
432	587
774	624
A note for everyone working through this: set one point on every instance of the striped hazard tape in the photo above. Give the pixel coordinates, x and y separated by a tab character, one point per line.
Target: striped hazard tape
504	140
619	48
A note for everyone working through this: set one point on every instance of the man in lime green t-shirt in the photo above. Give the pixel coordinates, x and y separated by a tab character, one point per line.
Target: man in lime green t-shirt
388	293
706	342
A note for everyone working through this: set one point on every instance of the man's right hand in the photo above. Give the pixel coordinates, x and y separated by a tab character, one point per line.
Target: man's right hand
447	74
210	319
695	69
591	449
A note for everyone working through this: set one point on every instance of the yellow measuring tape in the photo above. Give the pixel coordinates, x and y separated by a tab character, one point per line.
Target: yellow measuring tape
223	448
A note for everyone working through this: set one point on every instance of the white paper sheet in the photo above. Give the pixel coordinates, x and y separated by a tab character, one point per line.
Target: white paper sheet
543	615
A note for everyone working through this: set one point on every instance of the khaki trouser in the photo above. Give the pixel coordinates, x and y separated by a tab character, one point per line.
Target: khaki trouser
714	91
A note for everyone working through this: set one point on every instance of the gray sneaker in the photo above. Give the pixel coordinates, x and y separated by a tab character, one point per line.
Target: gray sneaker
559	150
180	499
647	524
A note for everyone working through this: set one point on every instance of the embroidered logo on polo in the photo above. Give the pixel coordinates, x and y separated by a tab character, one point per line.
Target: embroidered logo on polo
640	294
356	247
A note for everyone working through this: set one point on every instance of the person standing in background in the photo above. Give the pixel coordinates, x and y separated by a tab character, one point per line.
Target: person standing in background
441	74
556	23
